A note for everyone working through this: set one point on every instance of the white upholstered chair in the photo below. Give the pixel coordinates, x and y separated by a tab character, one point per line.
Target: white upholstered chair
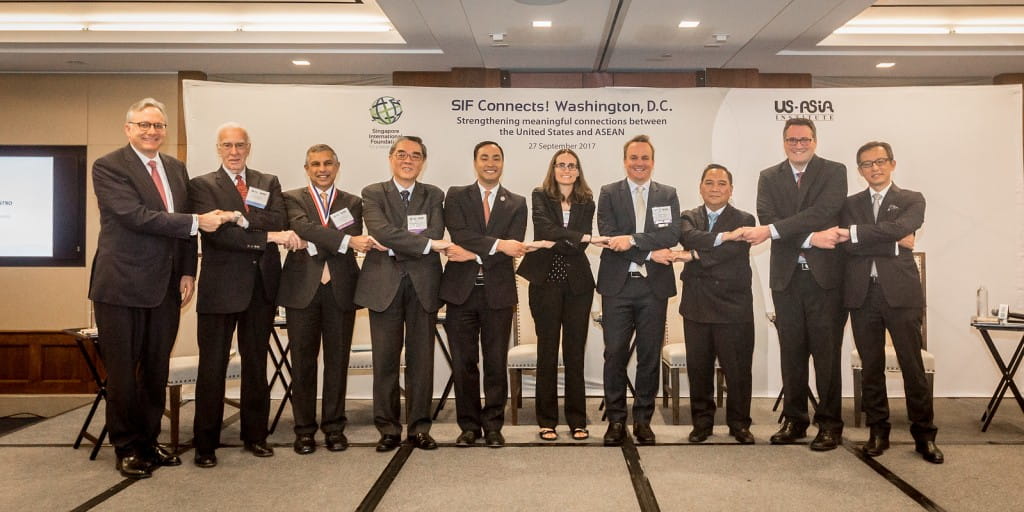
183	371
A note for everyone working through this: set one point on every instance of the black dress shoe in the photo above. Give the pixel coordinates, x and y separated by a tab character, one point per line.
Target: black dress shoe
878	443
159	456
826	440
423	441
206	460
259	448
616	434
790	433
134	466
930	452
466	438
494	439
388	442
304	444
643	434
336	441
699	435
742	435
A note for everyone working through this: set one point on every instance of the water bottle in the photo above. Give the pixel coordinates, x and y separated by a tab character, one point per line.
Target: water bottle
982	302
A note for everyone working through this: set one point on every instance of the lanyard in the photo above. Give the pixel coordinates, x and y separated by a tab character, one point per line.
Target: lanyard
323	210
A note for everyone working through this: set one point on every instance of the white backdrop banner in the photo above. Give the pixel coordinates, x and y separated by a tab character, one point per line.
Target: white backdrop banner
959	146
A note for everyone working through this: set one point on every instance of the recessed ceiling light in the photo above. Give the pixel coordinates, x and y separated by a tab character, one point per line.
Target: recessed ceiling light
885	65
542	24
300	62
688	24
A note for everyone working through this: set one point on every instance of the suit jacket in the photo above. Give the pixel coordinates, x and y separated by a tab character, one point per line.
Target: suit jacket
142	248
300	278
464	218
799	211
233	255
387	221
615	217
716	288
900	214
547	225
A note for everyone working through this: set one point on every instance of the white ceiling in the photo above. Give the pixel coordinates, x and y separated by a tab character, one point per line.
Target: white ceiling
774	36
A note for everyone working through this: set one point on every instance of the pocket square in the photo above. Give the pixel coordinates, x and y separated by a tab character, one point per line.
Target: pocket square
892	208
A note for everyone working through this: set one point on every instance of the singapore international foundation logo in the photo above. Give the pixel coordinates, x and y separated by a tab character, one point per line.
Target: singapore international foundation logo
386	110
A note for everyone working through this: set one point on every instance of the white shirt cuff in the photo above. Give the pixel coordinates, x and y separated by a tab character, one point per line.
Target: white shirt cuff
853	234
194	230
775	233
344	244
718	240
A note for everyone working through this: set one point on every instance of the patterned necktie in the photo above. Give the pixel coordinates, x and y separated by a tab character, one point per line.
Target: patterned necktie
487	207
799	178
405	198
325	277
243	190
712	217
158	182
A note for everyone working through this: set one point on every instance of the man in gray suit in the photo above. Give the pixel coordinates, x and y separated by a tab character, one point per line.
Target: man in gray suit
640	216
399	284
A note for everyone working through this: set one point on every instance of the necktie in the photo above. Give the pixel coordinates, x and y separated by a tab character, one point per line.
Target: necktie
243	190
640	212
799	178
487	207
158	182
325	277
405	198
712	218
876	201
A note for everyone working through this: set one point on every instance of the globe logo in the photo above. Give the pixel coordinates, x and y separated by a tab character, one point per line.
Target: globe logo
386	110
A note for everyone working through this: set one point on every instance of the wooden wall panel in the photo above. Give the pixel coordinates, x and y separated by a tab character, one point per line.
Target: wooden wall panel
42	362
784	80
666	80
548	80
742	78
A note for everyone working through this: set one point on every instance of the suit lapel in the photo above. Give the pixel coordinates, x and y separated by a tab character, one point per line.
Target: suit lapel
807	181
626	198
498	211
228	188
888	202
395	210
176	181
141	172
575	212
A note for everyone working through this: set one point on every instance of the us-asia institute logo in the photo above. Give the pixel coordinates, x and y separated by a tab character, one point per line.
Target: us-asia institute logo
815	110
386	110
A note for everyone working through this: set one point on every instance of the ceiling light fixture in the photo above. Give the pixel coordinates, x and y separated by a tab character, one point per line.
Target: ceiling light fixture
688	24
885	65
989	30
862	30
542	24
300	62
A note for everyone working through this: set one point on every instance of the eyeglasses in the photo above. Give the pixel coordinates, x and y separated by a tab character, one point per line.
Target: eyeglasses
563	165
226	146
867	164
145	125
402	155
802	141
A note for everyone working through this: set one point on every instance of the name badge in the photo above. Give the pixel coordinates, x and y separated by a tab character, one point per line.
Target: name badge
417	223
342	218
311	249
257	197
662	215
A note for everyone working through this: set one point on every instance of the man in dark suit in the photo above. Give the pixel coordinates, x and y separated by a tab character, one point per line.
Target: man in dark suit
717	306
487	224
399	283
640	216
883	292
798	204
142	275
241	270
317	288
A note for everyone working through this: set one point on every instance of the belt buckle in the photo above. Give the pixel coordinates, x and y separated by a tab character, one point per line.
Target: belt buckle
803	266
479	281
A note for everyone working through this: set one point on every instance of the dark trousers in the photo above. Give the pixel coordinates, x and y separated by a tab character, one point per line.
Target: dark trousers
635	309
404	322
254	325
810	321
733	345
904	324
321	320
135	345
559	313
473	328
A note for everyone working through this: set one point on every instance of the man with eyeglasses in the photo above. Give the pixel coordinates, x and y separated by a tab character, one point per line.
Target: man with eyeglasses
882	289
399	284
241	270
142	275
317	290
488	223
798	205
